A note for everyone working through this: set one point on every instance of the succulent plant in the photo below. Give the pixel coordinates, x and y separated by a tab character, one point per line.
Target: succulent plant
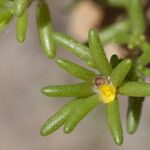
118	76
103	86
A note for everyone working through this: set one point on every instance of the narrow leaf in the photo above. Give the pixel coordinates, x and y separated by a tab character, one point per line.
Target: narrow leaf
114	121
21	27
119	73
98	53
145	46
73	46
21	6
135	89
76	70
6	11
134	113
80	112
134	105
58	119
5	21
144	59
114	31
114	60
45	29
136	15
71	90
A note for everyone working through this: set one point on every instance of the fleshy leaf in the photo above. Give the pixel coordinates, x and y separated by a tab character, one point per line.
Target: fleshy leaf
80	112
114	121
21	27
144	59
4	20
119	73
135	89
114	60
134	113
21	6
116	32
58	119
98	53
73	46
76	70
137	23
71	90
45	29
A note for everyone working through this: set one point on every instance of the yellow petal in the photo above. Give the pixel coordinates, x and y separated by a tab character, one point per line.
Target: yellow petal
107	93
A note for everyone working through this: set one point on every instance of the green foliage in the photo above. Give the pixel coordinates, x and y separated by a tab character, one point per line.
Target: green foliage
126	74
21	6
21	27
114	60
80	112
76	70
73	90
73	46
137	23
114	121
134	113
135	89
116	33
119	73
98	54
58	119
45	28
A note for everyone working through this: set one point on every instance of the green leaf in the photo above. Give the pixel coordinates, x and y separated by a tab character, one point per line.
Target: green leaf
119	73
116	32
6	11
135	89
21	27
146	72
58	119
134	113
2	2
80	112
144	59
98	53
6	19
76	70
145	46
114	121
21	6
114	60
72	90
45	29
136	16
137	23
73	46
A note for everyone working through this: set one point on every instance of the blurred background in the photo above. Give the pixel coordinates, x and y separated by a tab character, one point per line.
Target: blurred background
24	70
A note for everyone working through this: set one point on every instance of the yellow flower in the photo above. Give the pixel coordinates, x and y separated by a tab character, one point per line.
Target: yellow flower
107	93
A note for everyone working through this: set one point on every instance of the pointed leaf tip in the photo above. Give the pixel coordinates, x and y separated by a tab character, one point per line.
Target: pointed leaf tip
98	53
